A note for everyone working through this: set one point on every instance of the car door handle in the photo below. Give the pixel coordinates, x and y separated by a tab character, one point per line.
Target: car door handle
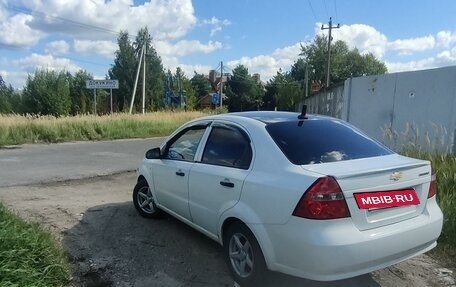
227	183
180	173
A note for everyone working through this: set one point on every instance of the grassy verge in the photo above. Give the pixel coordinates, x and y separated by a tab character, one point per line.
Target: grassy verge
445	168
28	255
16	129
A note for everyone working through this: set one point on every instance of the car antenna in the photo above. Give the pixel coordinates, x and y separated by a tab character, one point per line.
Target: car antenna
303	116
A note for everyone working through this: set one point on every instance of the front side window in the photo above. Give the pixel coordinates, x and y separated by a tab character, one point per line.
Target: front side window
228	146
184	145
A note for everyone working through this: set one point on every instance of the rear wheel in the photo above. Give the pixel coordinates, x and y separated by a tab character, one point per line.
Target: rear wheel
243	256
144	201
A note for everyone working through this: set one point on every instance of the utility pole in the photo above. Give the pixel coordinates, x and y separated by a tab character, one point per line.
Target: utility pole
144	79
330	27
221	83
307	80
136	79
94	102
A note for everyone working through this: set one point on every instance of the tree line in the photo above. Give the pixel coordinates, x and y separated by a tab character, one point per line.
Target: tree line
61	93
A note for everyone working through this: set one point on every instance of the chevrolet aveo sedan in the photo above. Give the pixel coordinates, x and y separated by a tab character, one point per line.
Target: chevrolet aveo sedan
310	196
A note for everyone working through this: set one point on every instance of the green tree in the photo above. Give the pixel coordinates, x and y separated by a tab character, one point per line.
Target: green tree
283	92
6	97
123	70
201	86
155	75
81	97
243	92
47	93
345	62
184	85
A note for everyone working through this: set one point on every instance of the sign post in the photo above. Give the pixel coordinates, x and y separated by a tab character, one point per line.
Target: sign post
101	84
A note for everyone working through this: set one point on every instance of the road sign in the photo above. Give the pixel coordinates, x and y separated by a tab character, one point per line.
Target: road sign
102	84
215	99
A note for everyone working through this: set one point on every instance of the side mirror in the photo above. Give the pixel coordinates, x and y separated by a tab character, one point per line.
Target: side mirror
153	153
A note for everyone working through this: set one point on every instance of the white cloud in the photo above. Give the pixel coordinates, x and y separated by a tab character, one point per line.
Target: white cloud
415	65
103	48
21	68
14	78
216	21
442	59
446	58
190	70
216	24
165	19
172	63
186	47
364	37
412	45
268	65
445	38
57	47
15	31
36	61
289	52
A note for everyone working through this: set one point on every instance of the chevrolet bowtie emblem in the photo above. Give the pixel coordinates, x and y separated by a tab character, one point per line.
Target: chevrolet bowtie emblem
396	175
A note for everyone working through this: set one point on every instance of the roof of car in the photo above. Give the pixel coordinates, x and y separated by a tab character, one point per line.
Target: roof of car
272	116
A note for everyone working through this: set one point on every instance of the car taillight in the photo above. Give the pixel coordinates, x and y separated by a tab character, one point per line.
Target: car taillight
323	200
433	185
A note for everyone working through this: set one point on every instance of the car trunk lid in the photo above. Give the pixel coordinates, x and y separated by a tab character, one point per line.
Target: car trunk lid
387	184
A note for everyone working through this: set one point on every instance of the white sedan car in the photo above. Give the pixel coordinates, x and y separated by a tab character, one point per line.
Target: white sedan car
306	195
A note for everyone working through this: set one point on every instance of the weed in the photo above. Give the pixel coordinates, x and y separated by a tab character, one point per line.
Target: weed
29	256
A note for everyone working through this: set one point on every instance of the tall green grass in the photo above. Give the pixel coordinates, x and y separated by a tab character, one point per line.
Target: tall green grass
15	129
445	167
29	256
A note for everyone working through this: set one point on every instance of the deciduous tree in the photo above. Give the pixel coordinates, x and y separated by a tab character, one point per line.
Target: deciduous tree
6	97
201	85
47	93
123	70
345	62
81	98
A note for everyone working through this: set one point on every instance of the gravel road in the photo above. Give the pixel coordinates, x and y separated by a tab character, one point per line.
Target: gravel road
109	244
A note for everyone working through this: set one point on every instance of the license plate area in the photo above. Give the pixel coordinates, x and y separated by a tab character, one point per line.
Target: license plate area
386	199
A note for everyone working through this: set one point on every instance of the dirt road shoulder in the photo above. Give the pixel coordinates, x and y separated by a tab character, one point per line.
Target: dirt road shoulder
109	244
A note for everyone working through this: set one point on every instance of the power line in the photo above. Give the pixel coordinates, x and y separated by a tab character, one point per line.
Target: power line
335	8
44	15
9	47
312	9
84	61
326	8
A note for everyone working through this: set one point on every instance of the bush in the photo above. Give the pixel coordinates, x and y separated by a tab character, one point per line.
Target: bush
445	168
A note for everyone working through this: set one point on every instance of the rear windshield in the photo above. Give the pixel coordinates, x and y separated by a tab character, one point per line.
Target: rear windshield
315	141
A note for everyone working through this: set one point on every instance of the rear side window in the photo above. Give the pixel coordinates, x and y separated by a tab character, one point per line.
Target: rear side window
227	146
315	141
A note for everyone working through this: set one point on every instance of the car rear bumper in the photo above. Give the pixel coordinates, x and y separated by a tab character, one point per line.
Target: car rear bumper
328	250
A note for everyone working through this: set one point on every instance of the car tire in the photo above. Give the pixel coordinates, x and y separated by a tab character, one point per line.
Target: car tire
144	201
243	256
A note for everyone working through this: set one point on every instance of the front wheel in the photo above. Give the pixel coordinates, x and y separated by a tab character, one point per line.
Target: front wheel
243	256
144	200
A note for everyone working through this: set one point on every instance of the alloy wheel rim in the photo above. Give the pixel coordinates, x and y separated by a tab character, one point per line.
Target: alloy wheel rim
145	199
241	255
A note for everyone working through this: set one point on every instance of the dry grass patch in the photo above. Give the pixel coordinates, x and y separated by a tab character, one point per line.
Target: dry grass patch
15	129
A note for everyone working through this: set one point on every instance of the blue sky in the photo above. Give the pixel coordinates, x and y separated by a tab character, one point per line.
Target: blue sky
196	35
